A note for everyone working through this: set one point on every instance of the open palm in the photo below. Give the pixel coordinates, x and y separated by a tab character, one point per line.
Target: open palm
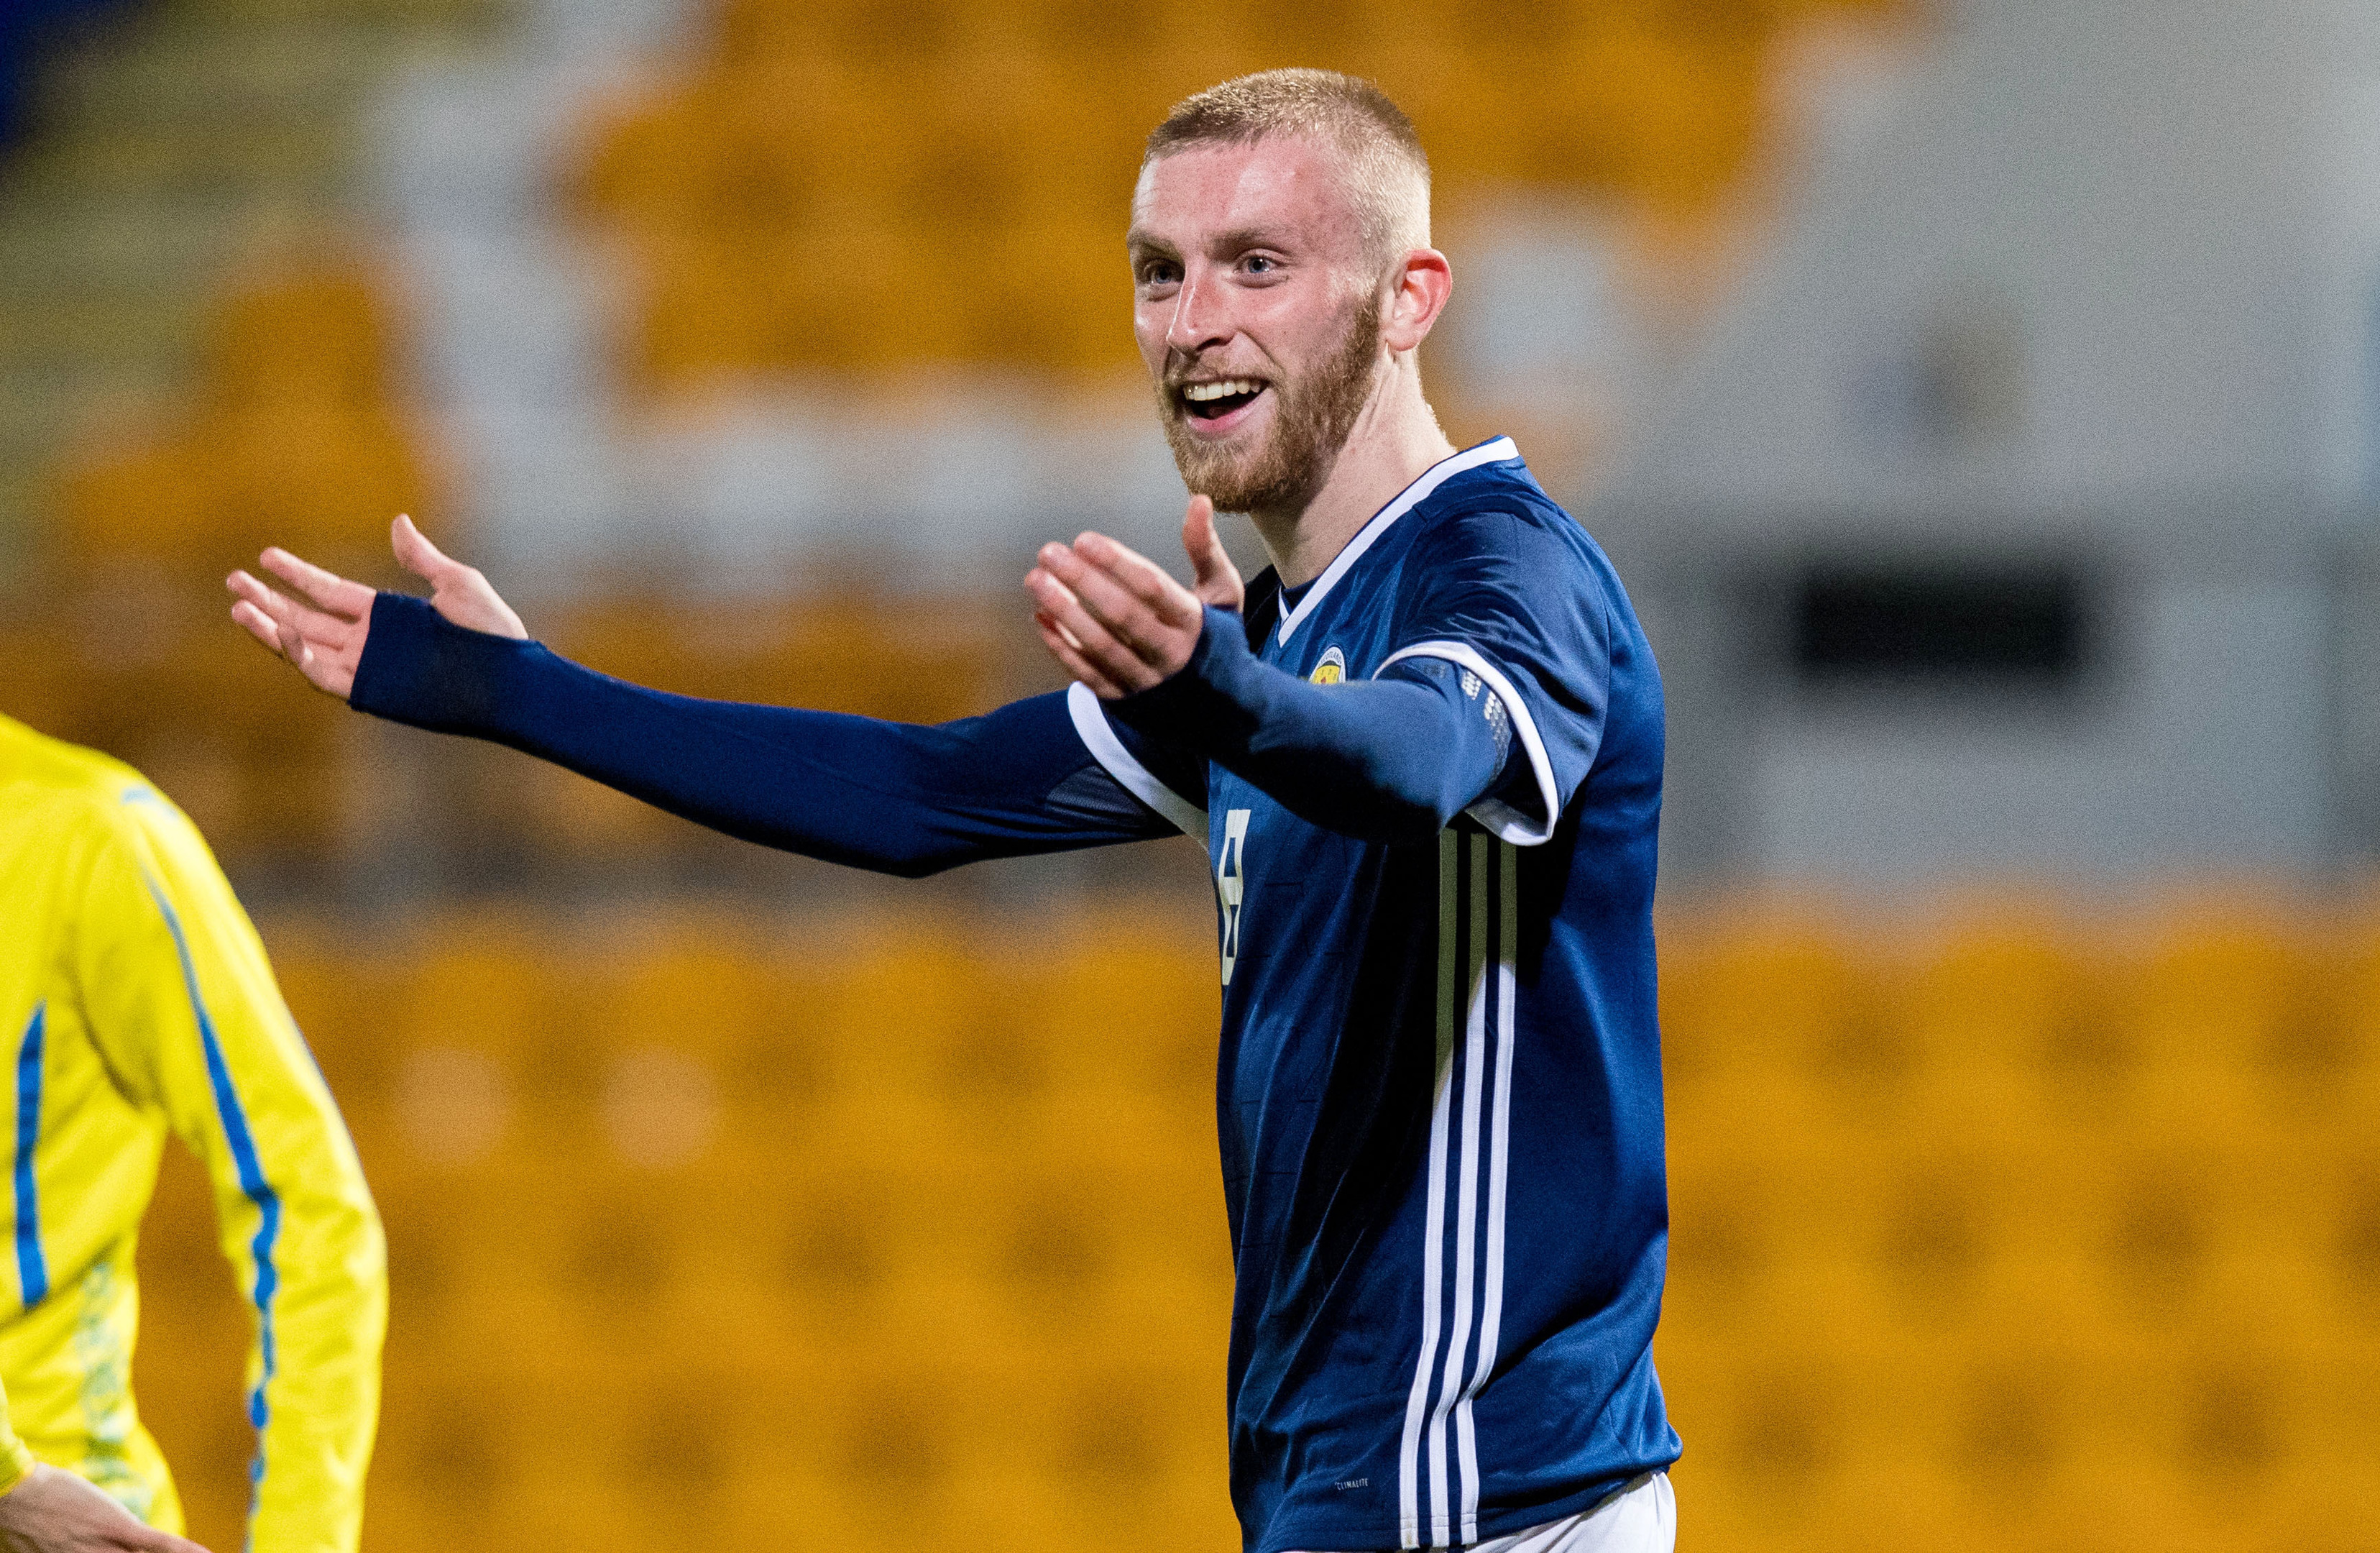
321	630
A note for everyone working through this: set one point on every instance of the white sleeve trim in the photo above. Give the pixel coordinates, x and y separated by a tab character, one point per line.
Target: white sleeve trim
1506	822
1494	451
1091	724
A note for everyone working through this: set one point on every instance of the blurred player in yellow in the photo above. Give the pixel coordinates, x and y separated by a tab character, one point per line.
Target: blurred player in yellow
135	998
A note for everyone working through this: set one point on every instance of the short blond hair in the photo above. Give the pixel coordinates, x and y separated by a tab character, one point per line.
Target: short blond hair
1389	171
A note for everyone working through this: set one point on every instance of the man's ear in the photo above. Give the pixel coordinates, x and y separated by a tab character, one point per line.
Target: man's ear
1418	294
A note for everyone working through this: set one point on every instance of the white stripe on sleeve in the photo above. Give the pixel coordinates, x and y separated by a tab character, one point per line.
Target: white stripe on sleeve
1502	819
1091	725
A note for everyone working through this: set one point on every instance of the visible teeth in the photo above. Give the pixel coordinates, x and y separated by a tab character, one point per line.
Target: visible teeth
1199	393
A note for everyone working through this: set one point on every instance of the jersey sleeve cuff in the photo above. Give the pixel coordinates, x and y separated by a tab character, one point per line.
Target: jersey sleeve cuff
1091	725
1506	822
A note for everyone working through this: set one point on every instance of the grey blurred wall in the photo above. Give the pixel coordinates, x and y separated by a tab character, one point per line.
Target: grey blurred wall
2092	298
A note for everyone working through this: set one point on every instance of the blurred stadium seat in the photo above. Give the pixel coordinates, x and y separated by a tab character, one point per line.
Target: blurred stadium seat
2045	1276
296	440
943	1250
959	1247
998	143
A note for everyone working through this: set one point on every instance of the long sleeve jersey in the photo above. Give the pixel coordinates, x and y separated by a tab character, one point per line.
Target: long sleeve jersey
135	998
1429	783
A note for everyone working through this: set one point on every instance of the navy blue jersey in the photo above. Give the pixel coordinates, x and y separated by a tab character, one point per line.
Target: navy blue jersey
1439	1098
1440	1094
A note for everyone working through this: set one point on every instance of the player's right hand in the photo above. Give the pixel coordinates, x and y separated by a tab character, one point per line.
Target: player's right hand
321	633
51	1510
1217	580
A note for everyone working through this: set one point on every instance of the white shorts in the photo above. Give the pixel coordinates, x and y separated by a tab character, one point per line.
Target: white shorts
1640	1518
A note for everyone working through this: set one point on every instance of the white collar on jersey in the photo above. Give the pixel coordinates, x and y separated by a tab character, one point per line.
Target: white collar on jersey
1437	474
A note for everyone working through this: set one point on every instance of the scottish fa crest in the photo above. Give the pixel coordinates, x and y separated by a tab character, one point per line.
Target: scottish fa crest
1331	670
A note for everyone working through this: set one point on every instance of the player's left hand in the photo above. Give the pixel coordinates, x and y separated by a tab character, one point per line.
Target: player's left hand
1115	619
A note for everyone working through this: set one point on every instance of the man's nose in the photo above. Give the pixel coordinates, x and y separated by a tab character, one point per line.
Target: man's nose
1198	320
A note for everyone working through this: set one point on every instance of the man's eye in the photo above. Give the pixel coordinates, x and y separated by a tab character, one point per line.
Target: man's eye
1159	275
1258	264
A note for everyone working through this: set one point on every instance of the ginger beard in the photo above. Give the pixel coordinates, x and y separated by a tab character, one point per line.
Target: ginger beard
1316	412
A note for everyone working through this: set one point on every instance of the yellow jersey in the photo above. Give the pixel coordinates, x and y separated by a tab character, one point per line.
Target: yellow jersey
135	997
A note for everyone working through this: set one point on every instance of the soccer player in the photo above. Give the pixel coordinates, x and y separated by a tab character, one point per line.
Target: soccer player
137	1000
1423	752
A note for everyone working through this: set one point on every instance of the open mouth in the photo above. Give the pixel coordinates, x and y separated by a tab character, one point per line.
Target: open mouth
1214	401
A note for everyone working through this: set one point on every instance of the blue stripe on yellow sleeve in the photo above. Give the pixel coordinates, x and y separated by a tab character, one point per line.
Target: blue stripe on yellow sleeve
250	1170
33	1271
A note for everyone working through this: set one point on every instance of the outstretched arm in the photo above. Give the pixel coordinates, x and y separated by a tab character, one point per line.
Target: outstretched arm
892	798
1393	758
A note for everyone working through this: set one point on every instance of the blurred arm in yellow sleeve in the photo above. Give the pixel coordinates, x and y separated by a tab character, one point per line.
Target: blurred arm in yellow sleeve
47	1510
183	1008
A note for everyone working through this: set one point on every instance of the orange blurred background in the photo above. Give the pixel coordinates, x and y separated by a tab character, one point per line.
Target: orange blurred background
732	1201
